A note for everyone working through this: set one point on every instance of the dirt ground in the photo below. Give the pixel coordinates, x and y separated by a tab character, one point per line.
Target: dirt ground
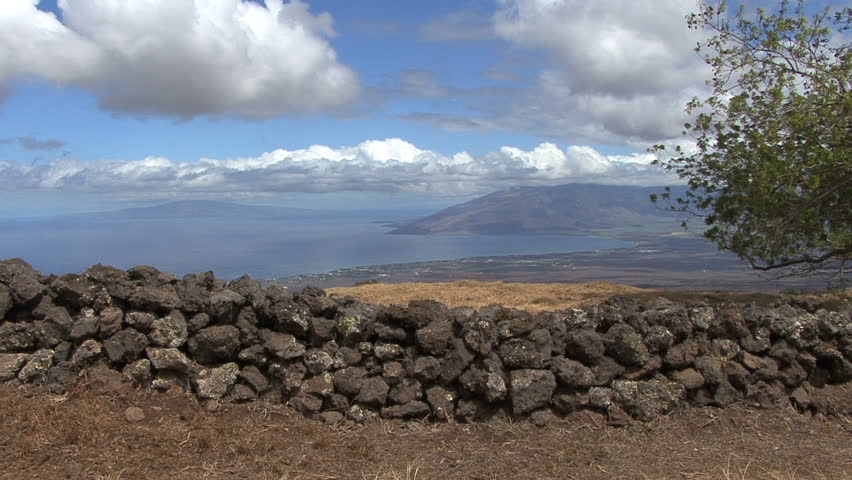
86	433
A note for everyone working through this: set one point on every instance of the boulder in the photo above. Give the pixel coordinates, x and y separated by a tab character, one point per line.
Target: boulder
374	392
531	351
486	383
349	380
584	345
169	359
413	409
214	383
435	338
455	362
76	291
169	331
17	337
442	403
321	385
215	344
11	364
139	320
689	378
111	321
6	300
571	373
36	367
306	404
86	353
387	351
405	391
570	402
530	389
359	414
22	280
116	282
427	369
254	378
224	305
682	355
125	346
86	325
155	298
646	401
625	345
317	361
480	334
139	372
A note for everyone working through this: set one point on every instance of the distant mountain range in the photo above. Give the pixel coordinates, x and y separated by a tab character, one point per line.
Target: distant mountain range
198	209
573	208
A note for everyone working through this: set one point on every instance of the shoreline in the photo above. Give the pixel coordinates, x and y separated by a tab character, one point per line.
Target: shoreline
662	262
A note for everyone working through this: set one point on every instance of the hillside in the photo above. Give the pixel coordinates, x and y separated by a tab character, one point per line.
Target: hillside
572	208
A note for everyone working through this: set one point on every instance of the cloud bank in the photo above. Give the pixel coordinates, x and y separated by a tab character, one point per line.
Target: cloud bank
180	58
391	165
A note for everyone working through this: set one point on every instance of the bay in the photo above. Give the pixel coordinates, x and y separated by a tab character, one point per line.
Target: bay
260	248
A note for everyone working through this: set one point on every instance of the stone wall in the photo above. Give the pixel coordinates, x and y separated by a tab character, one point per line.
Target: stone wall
337	358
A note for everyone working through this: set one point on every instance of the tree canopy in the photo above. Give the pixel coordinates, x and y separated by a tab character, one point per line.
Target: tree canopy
770	171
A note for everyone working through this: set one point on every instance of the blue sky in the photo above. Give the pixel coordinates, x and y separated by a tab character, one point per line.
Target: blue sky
113	102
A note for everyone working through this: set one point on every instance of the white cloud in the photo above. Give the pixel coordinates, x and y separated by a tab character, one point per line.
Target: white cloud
374	165
615	71
180	57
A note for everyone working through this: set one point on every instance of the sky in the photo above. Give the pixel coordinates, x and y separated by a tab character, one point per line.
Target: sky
334	103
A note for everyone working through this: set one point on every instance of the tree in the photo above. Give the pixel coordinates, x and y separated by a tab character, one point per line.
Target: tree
770	172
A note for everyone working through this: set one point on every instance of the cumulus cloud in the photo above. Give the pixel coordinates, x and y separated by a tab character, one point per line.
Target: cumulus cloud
619	70
180	57
374	165
609	71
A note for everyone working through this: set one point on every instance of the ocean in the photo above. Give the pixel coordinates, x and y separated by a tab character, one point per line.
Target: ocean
261	248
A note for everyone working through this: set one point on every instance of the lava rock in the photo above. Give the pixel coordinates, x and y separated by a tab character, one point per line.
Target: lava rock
125	346
215	344
169	331
214	383
584	345
374	392
530	389
571	373
413	409
23	281
625	345
169	359
11	364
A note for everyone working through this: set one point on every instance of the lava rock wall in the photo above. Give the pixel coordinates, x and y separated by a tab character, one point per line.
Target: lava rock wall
337	358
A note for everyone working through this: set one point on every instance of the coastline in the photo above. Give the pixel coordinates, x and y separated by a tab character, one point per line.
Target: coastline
673	262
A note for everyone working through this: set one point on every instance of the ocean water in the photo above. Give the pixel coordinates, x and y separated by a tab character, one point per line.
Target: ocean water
263	249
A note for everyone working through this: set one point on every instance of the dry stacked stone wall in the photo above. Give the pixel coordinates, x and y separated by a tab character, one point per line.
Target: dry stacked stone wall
338	358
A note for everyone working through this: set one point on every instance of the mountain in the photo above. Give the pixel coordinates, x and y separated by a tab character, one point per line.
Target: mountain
572	208
199	209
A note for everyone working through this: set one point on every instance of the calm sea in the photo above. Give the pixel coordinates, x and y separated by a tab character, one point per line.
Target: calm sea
262	249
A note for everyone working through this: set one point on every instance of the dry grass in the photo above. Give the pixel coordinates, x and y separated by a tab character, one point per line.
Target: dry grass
533	297
85	435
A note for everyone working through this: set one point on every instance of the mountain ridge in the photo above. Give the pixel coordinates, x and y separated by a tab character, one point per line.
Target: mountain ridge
570	208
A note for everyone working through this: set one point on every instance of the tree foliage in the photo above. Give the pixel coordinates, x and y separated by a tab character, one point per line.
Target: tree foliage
770	173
